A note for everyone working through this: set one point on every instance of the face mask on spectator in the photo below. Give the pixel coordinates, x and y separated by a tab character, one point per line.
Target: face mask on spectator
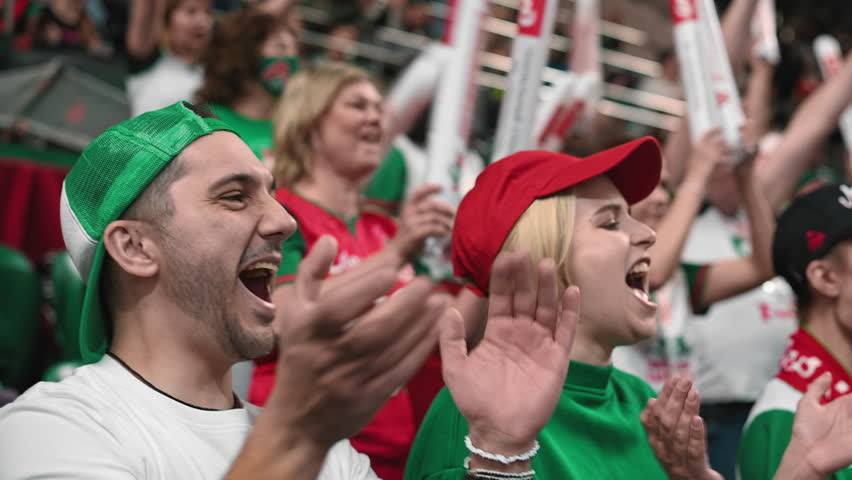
274	72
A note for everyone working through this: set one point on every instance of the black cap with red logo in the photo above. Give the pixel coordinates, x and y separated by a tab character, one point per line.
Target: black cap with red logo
808	229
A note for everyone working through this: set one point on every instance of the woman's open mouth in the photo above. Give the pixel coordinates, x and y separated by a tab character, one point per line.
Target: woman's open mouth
637	280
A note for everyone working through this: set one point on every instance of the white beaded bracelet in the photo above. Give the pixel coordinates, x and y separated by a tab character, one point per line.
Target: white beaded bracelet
493	474
496	457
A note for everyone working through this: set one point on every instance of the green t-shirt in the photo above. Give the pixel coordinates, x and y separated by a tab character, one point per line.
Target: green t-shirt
763	444
595	432
257	133
388	183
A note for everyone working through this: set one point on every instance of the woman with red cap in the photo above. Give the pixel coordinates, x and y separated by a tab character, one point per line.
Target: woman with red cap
575	211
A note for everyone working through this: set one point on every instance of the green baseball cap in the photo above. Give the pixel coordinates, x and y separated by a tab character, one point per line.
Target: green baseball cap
109	175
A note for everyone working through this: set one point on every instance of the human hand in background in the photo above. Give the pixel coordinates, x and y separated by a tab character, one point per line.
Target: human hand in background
676	432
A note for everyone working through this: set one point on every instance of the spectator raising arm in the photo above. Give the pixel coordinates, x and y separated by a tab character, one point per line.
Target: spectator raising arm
709	153
145	27
735	25
731	277
676	151
811	125
756	102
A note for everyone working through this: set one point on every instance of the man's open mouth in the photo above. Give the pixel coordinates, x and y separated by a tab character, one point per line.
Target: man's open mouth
259	278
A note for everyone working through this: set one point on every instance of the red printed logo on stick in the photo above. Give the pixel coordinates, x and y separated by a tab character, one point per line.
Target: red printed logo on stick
684	11
530	17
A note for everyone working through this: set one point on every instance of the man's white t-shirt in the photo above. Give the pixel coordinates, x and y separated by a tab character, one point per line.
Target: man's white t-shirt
104	423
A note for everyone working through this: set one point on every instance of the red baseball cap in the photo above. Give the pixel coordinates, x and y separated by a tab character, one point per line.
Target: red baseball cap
505	189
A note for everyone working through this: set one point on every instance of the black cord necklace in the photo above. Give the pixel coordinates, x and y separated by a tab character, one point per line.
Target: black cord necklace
237	402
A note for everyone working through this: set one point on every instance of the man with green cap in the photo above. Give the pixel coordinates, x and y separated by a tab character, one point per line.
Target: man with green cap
171	219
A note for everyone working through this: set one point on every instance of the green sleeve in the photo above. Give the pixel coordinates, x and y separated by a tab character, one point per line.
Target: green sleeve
696	276
293	251
420	268
388	183
763	444
438	452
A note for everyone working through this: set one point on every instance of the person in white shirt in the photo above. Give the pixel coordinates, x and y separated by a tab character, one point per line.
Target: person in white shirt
165	41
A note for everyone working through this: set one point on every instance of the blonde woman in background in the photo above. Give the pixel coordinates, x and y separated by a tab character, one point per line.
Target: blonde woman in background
328	138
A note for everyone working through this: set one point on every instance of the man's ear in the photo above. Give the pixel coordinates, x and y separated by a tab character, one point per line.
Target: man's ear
132	246
823	278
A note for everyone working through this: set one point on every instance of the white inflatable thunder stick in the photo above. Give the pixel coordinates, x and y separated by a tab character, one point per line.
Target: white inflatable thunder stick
530	52
559	112
763	27
830	59
572	101
586	58
414	90
724	86
688	39
452	110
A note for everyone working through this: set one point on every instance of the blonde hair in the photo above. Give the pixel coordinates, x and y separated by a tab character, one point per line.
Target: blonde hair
307	99
546	229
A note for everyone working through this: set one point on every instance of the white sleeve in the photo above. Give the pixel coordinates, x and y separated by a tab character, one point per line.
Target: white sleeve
343	461
50	443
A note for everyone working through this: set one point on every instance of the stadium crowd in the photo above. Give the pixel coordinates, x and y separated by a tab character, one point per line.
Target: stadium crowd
247	234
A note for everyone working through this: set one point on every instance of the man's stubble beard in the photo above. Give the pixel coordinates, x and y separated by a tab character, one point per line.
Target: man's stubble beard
202	289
